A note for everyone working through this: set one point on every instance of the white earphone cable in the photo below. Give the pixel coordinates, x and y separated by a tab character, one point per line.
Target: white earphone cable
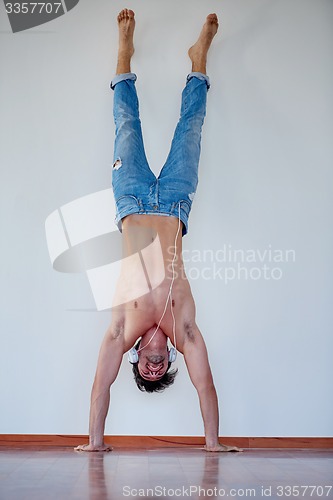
169	294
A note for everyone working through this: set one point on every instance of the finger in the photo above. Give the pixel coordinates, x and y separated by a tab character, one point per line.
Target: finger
80	448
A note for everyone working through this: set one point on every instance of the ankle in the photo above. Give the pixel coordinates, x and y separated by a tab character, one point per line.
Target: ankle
199	66
123	66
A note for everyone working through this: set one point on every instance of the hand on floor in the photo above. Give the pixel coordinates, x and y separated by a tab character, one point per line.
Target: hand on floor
90	447
222	448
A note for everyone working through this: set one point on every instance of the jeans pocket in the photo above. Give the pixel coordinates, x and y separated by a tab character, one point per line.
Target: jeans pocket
183	205
127	203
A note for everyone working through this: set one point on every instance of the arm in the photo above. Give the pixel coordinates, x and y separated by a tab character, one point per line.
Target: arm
196	359
108	365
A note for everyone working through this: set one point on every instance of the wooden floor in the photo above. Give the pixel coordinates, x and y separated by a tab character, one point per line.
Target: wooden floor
43	474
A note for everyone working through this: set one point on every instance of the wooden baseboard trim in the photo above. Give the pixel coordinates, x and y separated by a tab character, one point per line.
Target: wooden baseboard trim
55	440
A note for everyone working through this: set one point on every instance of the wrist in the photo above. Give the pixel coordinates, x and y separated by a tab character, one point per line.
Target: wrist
212	443
96	441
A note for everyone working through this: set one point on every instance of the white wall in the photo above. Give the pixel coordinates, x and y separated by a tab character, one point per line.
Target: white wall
265	182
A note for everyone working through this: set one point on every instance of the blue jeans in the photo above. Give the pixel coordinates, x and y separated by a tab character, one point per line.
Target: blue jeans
136	189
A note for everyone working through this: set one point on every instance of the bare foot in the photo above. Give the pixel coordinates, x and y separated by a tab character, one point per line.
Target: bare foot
89	447
198	51
126	25
222	448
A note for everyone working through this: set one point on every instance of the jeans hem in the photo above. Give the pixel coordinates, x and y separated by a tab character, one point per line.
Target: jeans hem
200	76
120	78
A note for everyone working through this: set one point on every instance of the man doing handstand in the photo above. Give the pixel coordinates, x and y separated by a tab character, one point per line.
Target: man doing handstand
152	214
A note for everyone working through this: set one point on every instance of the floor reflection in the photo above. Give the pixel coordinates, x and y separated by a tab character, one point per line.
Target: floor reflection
156	474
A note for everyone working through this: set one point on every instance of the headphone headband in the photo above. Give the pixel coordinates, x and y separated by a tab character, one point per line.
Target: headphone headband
133	356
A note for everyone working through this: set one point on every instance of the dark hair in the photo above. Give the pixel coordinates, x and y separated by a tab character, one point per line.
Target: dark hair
150	386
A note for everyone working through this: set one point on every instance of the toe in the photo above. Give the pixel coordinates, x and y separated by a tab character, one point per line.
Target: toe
212	18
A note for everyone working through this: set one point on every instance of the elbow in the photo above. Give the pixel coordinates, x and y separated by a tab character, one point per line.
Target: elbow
206	387
100	387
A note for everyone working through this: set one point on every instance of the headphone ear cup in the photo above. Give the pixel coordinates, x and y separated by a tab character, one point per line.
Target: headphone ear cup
172	354
133	356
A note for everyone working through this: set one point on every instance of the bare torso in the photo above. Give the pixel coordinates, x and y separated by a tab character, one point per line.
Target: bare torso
145	279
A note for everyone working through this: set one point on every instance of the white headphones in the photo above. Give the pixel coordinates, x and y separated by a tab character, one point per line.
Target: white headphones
133	356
